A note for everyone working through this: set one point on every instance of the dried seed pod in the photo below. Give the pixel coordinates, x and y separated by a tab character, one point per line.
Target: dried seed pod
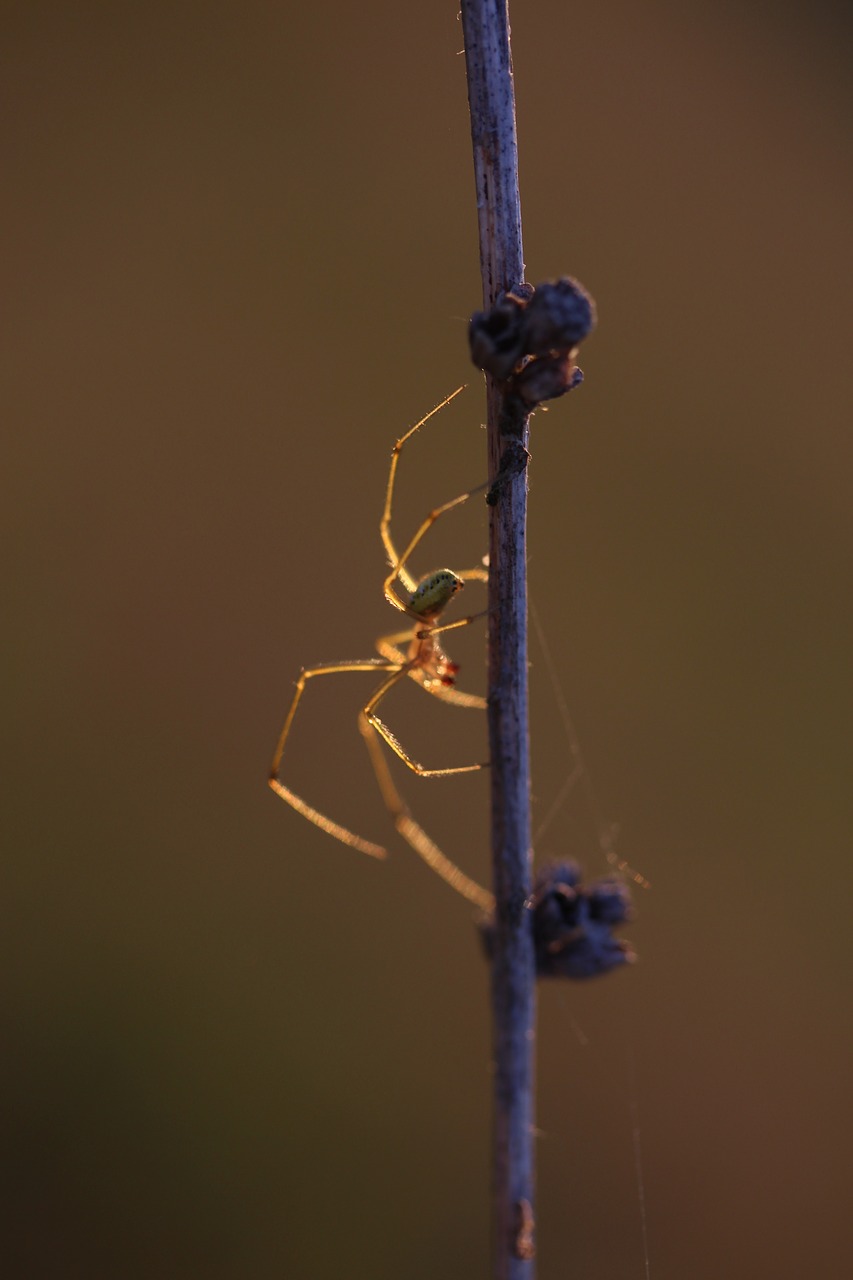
573	924
546	378
529	339
558	317
496	337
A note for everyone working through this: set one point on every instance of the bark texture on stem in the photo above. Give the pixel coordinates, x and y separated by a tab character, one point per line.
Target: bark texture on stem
492	106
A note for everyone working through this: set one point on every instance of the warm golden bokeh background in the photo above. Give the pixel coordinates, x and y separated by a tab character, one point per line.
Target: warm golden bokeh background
240	254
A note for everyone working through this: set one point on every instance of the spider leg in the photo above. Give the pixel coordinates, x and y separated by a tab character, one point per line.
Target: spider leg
454	697
296	802
412	833
388	586
453	626
385	523
399	570
387	646
369	713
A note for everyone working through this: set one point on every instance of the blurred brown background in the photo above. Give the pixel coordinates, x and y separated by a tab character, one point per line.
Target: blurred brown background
240	251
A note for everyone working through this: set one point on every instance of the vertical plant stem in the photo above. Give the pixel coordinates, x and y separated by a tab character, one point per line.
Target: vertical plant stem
492	106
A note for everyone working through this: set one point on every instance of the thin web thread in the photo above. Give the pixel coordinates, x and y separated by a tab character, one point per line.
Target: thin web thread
579	774
618	1089
606	834
638	1157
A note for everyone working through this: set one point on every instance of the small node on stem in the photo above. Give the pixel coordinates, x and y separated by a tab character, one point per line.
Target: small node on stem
514	459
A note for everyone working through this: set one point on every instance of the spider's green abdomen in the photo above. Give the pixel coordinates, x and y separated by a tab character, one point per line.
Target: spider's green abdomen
434	593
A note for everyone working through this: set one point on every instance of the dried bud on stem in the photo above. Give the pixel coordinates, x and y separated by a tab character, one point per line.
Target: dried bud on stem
573	923
497	337
559	316
530	338
547	378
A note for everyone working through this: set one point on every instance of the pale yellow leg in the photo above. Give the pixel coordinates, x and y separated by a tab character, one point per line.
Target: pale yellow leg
313	815
385	523
388	586
412	833
455	696
453	626
387	646
399	569
369	712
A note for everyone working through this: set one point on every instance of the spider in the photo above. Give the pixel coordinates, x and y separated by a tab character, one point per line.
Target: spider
417	652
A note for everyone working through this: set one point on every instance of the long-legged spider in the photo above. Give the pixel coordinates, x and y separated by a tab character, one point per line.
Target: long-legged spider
417	652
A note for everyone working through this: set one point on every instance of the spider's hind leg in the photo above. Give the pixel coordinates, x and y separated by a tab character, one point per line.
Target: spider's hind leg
412	832
370	716
296	802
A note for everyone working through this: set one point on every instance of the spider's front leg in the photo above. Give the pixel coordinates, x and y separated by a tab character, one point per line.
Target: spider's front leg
394	558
